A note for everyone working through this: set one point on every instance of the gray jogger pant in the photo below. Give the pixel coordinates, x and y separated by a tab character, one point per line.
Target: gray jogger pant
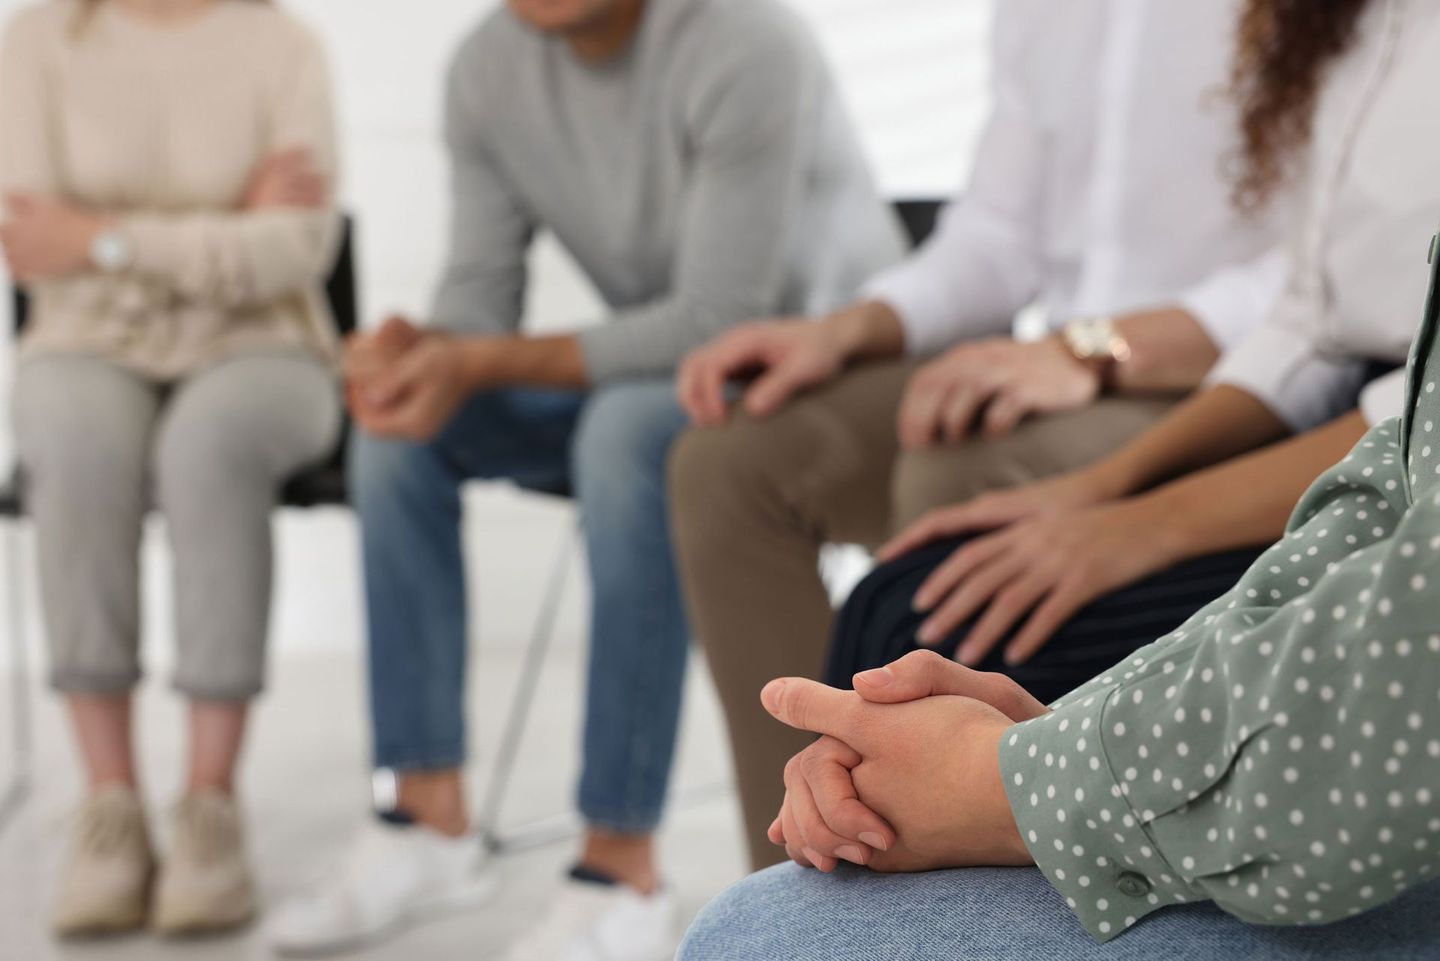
100	443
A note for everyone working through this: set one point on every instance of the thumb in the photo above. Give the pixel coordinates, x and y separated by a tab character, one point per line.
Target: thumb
922	674
396	334
810	706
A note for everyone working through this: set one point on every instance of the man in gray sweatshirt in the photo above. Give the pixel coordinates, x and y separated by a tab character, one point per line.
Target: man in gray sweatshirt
695	159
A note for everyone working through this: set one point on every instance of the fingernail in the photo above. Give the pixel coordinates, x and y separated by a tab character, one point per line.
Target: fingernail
851	853
770	696
879	677
968	658
875	841
926	635
812	856
920	604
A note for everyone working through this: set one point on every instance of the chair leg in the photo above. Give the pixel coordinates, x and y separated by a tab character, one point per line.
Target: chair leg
560	827
22	733
513	733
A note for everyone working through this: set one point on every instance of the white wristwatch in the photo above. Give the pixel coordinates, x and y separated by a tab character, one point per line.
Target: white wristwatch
110	251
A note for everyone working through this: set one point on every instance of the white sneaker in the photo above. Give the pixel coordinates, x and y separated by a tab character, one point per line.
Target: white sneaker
394	877
600	922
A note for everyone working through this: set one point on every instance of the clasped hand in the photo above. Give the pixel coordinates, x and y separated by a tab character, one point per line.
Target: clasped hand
402	381
906	774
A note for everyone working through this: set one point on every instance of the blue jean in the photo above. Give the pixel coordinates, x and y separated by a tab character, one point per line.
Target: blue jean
1013	914
610	446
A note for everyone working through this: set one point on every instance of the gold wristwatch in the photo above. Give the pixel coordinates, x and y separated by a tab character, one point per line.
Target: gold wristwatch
1097	342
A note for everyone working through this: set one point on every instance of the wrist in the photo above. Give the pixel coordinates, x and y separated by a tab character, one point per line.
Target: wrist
1009	846
477	360
1168	538
1097	370
870	328
103	246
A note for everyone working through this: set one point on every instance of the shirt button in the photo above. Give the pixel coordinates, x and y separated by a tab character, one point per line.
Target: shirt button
1133	885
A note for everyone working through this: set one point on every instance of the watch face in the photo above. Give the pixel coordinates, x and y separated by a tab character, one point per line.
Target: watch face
110	252
1086	341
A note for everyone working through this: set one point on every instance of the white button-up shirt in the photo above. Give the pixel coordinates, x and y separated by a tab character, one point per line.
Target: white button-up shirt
1371	199
1098	186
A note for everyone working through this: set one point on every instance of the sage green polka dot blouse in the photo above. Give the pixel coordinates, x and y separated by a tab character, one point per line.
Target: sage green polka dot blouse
1279	754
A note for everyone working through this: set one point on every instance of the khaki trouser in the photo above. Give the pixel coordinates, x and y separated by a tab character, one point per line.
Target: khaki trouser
100	443
754	501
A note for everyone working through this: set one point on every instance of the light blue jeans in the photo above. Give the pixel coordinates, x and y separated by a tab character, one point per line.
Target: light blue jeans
610	446
1013	914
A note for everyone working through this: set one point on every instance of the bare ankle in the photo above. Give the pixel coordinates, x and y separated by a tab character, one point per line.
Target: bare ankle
628	858
210	785
434	799
100	783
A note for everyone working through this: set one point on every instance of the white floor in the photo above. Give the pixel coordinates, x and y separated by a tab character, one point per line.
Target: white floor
305	784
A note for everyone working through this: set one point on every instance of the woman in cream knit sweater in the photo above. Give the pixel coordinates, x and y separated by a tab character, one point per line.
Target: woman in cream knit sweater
166	168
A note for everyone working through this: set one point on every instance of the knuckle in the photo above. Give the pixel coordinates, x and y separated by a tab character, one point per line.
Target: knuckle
923	662
1005	694
814	763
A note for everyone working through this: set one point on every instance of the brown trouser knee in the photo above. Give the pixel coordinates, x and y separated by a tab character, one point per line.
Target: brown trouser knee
754	501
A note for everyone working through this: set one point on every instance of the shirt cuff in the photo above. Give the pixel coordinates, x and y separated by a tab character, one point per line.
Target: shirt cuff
1283	369
611	351
1384	397
1073	812
1234	300
903	289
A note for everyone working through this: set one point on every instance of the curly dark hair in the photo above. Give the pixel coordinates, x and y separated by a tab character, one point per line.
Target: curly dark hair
1284	48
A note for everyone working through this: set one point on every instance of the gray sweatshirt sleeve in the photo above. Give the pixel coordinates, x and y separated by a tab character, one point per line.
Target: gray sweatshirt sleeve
749	119
482	289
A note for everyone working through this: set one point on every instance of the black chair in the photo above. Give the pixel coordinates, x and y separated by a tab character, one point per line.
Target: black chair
319	486
918	217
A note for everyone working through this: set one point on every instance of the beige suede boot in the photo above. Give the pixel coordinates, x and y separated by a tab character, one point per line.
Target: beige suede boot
205	881
105	884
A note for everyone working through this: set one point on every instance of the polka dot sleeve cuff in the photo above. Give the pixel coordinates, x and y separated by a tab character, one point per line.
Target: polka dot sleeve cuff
1279	754
1073	814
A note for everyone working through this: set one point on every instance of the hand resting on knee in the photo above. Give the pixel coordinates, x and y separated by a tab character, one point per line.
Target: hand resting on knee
906	775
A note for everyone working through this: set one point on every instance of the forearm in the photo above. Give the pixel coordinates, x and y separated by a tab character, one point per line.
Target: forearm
1170	352
233	258
1213	426
516	361
1251	700
867	330
1245	502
